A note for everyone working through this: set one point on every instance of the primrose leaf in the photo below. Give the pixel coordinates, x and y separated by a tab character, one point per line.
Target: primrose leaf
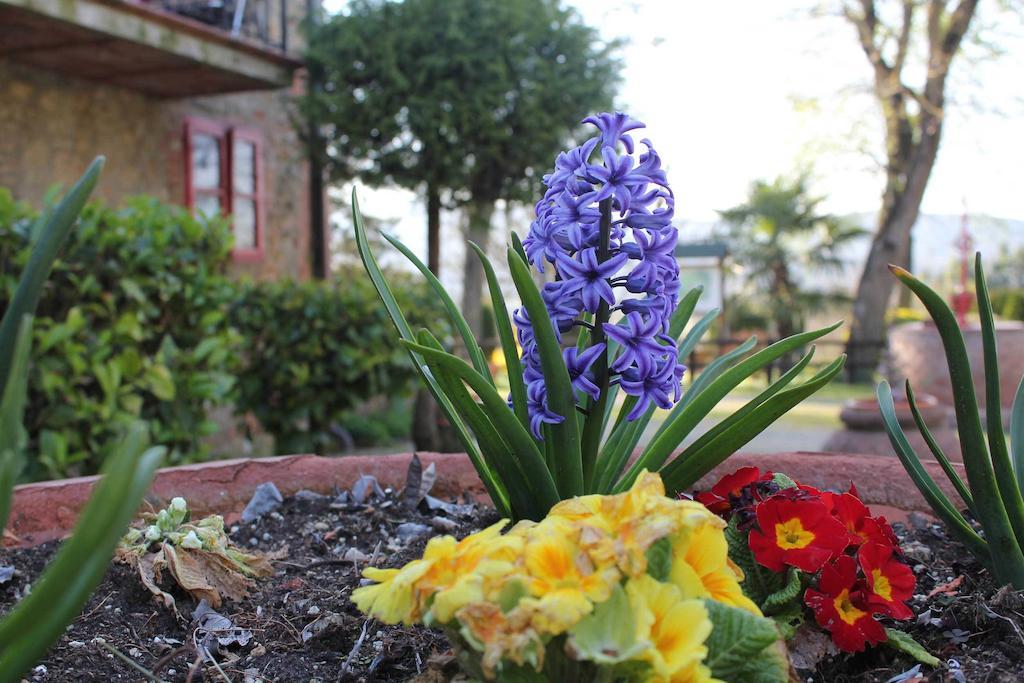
744	647
659	559
758	582
608	634
784	595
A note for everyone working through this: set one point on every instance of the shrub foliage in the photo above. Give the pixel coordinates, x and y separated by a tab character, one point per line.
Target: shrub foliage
317	351
131	324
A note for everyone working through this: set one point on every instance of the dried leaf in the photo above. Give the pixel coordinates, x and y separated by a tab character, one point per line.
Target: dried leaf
207	576
413	478
150	567
949	589
215	631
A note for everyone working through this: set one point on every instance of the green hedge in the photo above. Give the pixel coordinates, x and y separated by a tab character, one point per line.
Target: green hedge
132	323
1008	303
141	320
316	351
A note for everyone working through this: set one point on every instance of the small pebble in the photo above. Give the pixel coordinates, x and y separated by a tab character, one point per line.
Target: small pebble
277	516
135	652
76	644
254	541
266	536
171	672
234	528
322	526
410	530
313	610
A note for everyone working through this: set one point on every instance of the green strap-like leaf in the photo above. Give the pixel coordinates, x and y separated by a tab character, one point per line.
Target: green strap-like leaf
491	446
57	225
679	427
28	631
904	642
522	446
507	337
12	407
405	331
683	473
625	434
738	425
1017	434
1001	465
938	501
1007	559
937	452
476	354
566	462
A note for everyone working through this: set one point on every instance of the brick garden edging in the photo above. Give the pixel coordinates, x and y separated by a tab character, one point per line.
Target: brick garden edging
46	511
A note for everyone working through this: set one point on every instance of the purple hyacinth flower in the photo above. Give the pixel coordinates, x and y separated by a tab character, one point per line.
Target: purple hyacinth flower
537	406
618	178
613	128
649	385
578	363
638	344
589	277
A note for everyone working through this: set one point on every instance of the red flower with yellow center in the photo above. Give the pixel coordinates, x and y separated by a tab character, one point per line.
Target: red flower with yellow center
719	498
890	581
841	607
855	516
796	532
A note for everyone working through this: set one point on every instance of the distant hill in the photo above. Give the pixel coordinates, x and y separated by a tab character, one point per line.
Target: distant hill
934	248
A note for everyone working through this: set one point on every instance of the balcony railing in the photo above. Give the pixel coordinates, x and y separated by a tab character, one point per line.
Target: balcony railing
263	21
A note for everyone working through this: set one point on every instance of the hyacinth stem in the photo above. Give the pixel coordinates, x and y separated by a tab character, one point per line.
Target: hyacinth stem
591	437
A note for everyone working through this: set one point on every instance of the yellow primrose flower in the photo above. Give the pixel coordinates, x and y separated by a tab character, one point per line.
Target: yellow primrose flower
402	594
483	584
501	636
563	580
622	527
391	599
701	567
675	627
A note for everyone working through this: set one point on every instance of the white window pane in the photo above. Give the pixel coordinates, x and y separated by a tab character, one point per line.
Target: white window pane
205	162
245	223
207	204
244	165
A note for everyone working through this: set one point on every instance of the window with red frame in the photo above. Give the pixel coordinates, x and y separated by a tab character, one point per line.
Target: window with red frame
223	175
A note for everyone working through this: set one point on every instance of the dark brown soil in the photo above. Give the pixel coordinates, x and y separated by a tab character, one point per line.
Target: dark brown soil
976	629
312	584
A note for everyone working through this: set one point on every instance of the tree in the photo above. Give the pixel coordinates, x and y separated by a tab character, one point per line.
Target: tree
469	101
779	236
914	115
465	101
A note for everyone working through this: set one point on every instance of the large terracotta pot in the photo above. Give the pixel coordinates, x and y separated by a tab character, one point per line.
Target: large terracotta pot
917	355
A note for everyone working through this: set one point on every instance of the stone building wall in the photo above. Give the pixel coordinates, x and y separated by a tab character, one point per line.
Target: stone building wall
52	126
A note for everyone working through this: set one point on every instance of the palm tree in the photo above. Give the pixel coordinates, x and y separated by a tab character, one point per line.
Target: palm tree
778	237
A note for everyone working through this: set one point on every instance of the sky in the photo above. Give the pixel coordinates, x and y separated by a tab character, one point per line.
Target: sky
737	90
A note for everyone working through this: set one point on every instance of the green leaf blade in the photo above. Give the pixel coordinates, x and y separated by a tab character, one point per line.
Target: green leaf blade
567	461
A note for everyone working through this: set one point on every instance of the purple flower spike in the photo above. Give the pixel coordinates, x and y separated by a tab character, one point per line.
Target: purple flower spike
537	405
640	241
589	277
637	339
613	127
578	363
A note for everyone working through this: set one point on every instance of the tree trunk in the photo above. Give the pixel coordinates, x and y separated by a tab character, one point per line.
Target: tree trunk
433	229
890	245
477	228
429	428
